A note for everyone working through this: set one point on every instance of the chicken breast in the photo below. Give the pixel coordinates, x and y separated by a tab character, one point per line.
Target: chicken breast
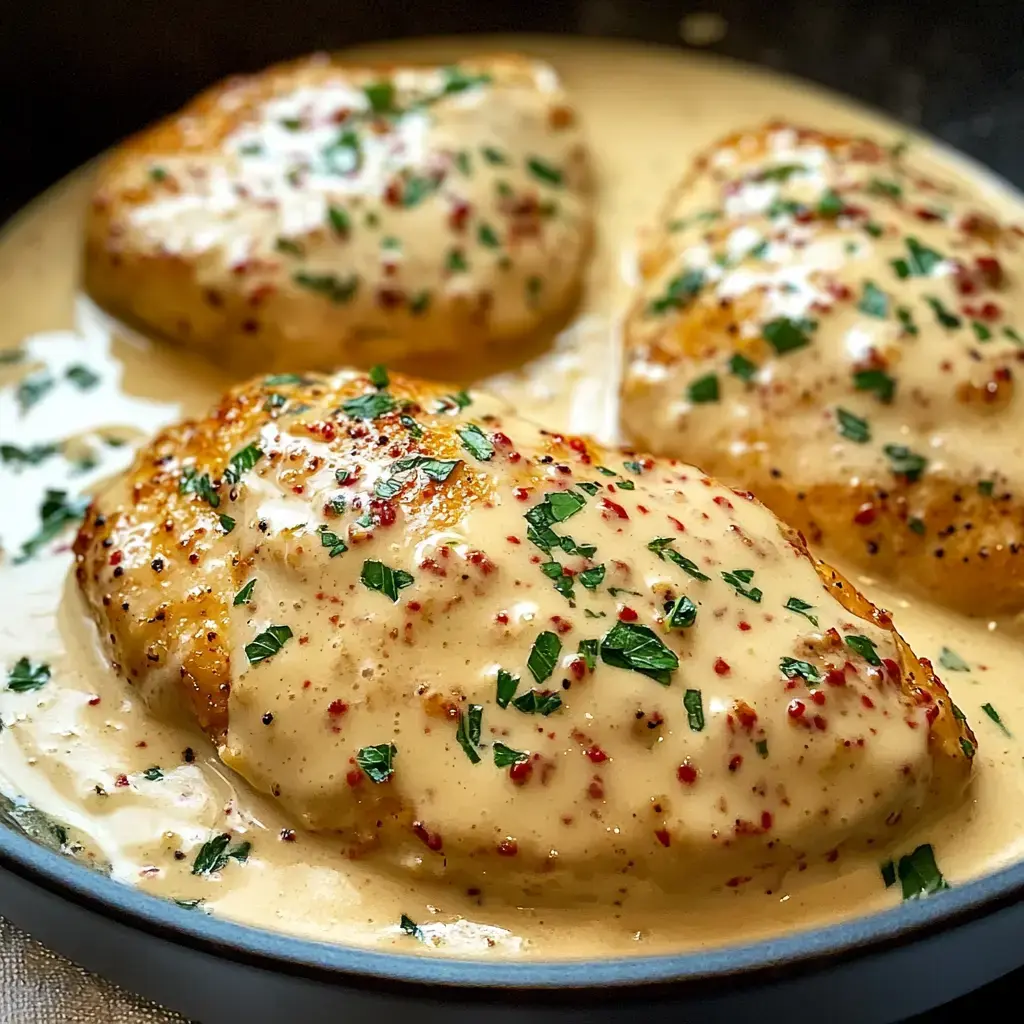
320	214
480	650
822	322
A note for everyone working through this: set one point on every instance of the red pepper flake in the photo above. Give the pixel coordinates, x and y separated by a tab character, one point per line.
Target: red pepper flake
355	777
866	514
818	697
893	669
866	701
432	840
481	561
735	761
578	667
596	789
722	667
663	837
508	848
121	780
501	440
686	773
520	772
501	618
522	493
745	714
678	525
796	709
819	723
115	558
766	820
723	502
835	677
597	755
414	606
991	270
745	626
609	508
626	614
337	708
93	701
458	215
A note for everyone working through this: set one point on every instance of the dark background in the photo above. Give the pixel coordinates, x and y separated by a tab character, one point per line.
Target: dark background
76	76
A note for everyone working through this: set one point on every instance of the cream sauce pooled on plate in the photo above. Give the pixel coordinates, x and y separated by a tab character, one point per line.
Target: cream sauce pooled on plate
81	748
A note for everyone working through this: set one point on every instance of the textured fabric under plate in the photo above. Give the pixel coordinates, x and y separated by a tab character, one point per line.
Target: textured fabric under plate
40	987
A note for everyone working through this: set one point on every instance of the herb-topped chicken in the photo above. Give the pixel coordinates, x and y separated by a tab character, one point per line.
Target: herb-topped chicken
471	645
821	321
320	213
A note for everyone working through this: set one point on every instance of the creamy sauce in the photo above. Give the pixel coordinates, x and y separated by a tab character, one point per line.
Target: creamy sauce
93	776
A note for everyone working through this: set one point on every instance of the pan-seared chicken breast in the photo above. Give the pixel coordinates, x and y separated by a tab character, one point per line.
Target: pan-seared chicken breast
319	214
823	322
473	646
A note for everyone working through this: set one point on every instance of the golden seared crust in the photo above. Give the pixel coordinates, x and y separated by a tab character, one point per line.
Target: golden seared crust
463	642
824	322
320	213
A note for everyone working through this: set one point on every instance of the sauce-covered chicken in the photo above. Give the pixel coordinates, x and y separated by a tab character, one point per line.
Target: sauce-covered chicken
822	322
471	645
320	213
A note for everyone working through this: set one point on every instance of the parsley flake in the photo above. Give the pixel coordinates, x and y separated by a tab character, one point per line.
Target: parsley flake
786	335
694	706
505	756
801	607
631	646
876	381
852	427
544	655
244	595
377	762
378	576
865	647
25	676
468	731
739	578
476	442
703	389
904	462
507	685
874	301
267	644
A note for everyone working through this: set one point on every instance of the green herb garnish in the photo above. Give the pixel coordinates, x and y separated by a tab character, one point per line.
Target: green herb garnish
631	646
377	762
378	576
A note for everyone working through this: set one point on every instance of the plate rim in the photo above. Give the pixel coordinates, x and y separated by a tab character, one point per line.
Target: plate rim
770	959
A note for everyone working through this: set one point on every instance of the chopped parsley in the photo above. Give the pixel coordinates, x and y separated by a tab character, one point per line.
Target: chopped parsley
703	389
986	487
537	702
786	335
830	204
920	261
214	854
544	655
740	366
592	578
410	927
916	525
906	319
739	578
981	332
874	301
32	456
335	545
951	660
876	381
506	756
852	427
468	731
543	171
378	576
588	652
679	293
662	547
192	483
32	389
563	583
865	647
943	315
507	686
793	668
455	262
338	290
344	155
377	762
761	746
694	705
631	646
476	442
681	613
339	220
487	236
227	524
904	462
801	607
267	644
369	407
994	715
25	676
82	377
783	172
241	462
56	513
412	426
494	156
244	595
917	872
381	96
379	377
289	247
153	774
